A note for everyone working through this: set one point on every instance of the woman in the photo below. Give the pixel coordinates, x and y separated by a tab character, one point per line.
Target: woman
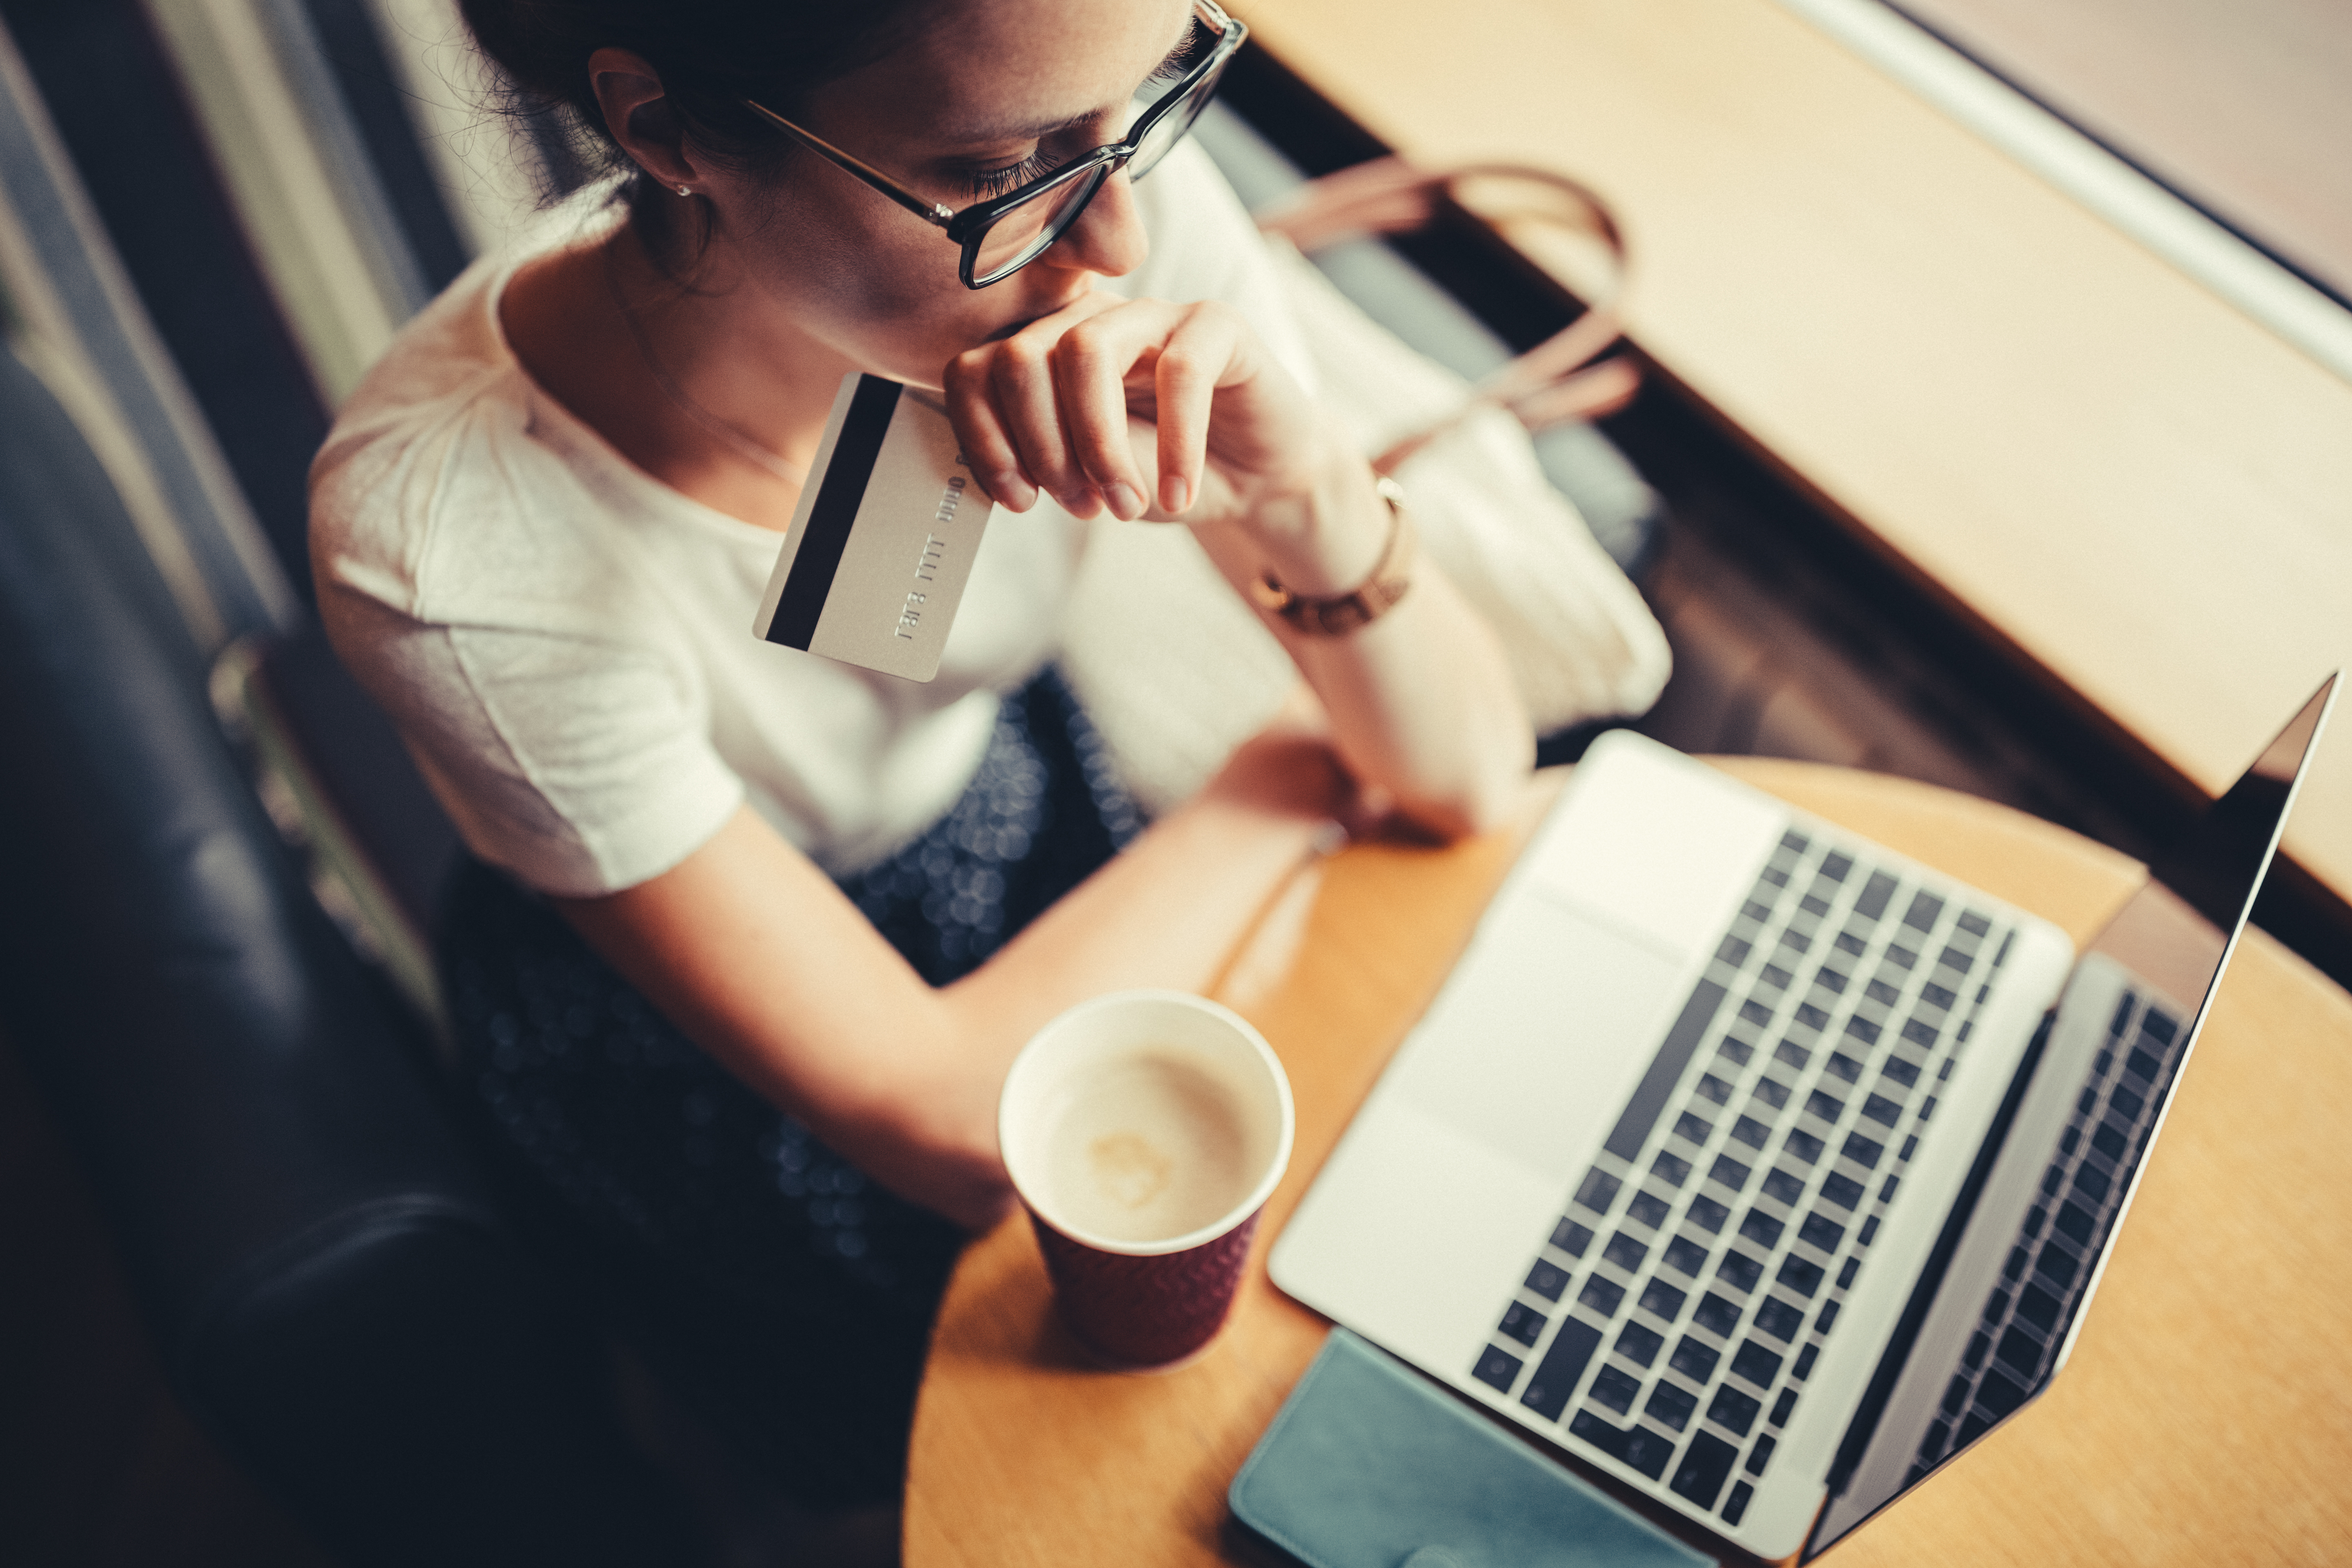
540	532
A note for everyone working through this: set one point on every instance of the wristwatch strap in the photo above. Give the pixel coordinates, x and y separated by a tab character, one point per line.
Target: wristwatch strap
1340	614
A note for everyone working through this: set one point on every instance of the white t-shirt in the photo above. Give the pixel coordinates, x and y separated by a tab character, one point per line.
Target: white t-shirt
565	643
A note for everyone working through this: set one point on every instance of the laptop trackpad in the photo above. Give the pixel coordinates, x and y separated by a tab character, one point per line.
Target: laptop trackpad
1541	1035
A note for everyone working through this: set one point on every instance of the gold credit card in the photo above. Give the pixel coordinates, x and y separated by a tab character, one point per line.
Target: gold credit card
883	537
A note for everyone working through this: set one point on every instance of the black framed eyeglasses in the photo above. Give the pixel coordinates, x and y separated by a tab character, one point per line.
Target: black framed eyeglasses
1003	234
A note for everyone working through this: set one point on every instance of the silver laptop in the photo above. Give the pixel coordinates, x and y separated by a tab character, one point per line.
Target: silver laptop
1759	1167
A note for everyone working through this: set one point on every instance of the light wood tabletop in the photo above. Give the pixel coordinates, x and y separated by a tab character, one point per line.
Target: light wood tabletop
2144	491
2206	1416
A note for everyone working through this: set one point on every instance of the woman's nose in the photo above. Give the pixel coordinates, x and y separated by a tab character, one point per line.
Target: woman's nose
1108	237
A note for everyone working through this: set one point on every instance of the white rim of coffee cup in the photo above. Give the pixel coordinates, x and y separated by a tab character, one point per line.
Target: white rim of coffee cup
1043	1054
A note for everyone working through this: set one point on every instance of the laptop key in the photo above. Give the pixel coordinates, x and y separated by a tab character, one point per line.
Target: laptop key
1665	1069
1648	1452
1497	1369
1616	1388
1717	1315
1843	1191
1597	1191
1671	1405
1757	1364
1872	902
1562	1368
1638	1344
1571	1237
1733	1410
1640	1448
1601	1295
1803	1278
1523	1323
1818	1230
1734	1506
1548	1279
1739	1272
1706	1465
1780	1320
1625	1252
1694	1359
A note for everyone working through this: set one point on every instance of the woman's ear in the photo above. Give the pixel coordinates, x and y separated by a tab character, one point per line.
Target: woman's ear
638	113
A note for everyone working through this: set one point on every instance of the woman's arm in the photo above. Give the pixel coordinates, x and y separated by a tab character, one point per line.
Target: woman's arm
1178	413
761	961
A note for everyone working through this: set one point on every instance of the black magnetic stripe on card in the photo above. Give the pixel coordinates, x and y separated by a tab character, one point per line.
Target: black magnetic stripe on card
838	494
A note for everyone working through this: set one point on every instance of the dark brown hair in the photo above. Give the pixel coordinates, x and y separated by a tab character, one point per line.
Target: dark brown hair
710	54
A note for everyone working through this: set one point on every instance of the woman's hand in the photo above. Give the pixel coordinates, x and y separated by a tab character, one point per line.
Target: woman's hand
1055	408
1173	412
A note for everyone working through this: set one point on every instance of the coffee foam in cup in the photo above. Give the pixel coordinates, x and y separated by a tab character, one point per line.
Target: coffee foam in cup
1147	1148
1145	1122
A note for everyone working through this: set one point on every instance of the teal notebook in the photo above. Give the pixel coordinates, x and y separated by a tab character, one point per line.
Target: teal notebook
1369	1466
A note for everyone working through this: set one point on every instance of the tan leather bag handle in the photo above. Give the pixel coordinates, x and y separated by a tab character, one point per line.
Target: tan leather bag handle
1564	377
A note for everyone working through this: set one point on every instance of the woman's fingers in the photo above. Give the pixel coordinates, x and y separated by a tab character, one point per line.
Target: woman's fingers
1021	386
1001	400
1051	406
987	446
1090	363
1184	385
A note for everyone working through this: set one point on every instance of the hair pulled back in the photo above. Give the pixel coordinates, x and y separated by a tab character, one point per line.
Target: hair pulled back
710	54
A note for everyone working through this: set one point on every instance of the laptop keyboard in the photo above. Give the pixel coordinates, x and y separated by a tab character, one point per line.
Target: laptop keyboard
2026	1317
1673	1315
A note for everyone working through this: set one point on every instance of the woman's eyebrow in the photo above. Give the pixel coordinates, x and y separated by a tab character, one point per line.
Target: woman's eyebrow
1031	132
1021	132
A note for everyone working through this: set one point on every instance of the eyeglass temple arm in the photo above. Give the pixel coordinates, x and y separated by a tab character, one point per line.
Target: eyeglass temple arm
931	213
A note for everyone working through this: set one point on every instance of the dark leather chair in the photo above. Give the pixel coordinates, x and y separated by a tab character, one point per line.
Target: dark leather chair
331	1277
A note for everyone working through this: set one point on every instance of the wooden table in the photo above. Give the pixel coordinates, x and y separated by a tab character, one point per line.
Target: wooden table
2205	1417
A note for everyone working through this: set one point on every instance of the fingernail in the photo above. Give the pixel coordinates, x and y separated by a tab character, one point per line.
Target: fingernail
1011	492
1125	504
1179	493
1078	503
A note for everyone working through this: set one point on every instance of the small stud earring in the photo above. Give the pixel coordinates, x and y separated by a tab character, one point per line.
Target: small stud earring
685	190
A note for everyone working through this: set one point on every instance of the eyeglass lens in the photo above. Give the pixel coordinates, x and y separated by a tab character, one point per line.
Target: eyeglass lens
1018	236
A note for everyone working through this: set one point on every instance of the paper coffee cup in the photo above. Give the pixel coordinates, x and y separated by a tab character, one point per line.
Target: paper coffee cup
1144	1130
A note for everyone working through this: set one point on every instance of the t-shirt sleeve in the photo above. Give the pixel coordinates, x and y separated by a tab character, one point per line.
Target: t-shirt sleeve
485	599
577	764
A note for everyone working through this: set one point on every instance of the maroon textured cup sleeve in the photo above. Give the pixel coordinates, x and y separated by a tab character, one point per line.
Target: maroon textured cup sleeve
1145	1312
